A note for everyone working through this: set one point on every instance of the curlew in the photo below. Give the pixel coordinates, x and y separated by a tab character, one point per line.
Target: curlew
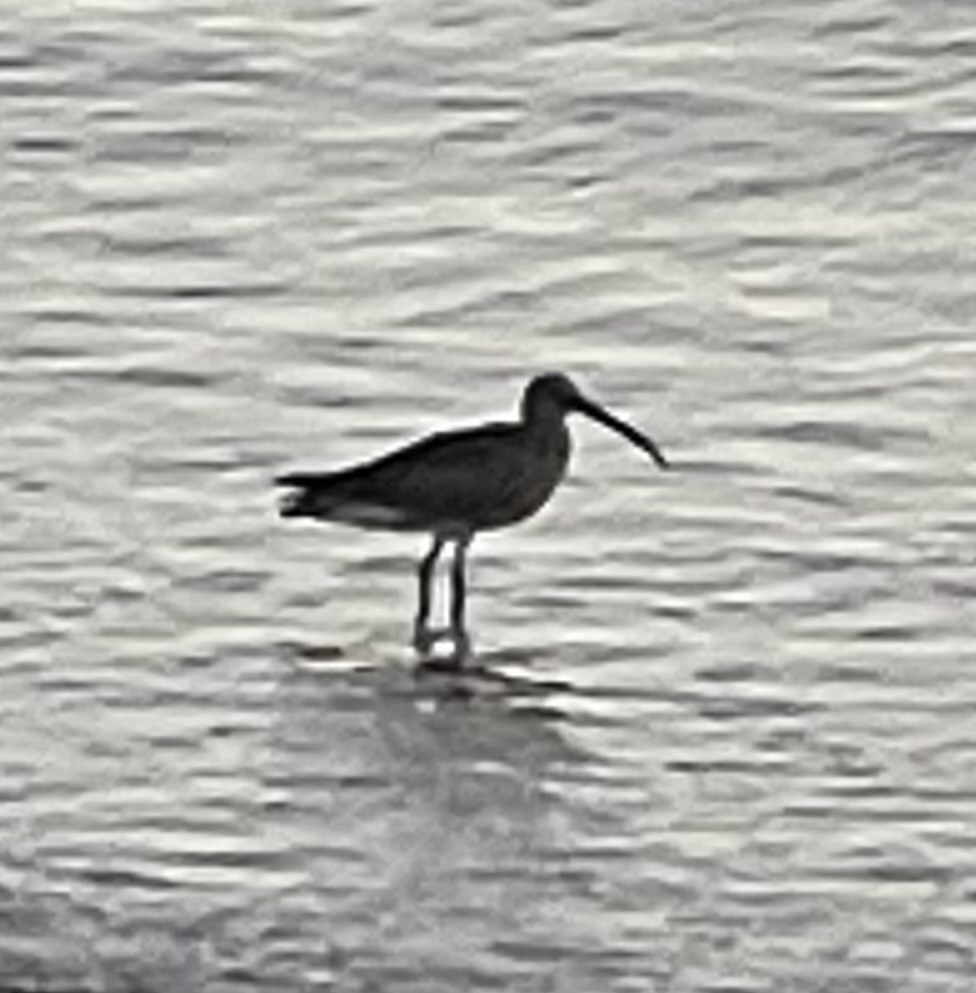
456	483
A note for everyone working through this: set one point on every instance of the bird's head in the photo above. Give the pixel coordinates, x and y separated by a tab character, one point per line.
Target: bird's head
553	395
552	391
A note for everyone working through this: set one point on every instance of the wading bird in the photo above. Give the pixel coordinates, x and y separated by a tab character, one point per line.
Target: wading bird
456	483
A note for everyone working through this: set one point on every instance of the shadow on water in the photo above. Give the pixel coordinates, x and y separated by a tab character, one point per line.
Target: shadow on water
502	679
385	725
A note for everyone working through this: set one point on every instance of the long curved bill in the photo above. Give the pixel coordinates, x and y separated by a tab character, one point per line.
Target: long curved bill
635	437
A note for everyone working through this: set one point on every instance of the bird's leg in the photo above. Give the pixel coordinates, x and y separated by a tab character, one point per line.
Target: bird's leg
425	574
458	591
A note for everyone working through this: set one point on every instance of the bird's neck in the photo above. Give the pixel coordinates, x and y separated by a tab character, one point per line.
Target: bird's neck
547	431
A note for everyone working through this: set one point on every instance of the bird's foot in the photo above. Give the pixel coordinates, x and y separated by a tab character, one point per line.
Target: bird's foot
462	645
427	642
424	639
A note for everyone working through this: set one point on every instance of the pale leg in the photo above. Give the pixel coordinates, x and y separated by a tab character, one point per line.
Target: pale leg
425	574
458	594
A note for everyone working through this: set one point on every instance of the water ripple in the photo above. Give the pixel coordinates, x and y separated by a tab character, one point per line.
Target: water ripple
717	730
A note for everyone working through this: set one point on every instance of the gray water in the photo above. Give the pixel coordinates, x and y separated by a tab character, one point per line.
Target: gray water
724	740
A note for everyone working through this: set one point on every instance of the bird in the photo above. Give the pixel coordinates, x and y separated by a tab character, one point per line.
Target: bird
454	484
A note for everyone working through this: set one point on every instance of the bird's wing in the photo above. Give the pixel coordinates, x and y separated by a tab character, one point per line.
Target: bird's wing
452	476
455	475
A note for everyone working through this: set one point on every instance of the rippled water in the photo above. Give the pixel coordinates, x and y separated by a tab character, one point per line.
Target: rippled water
724	740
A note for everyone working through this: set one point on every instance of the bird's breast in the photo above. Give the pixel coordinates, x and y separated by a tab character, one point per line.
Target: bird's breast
528	481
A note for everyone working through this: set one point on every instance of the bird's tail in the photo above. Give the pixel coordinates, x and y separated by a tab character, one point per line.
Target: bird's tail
296	503
310	494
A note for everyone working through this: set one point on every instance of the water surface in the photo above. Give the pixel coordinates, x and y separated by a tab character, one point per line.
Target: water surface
725	737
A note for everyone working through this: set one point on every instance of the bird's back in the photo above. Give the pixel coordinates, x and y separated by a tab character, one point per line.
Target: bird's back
455	481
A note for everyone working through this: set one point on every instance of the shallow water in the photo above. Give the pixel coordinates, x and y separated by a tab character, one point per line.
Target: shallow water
722	737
